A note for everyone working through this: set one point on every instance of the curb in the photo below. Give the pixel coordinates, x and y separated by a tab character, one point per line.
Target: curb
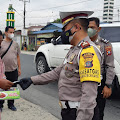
28	52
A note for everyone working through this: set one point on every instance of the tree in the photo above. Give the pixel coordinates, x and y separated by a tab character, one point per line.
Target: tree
58	20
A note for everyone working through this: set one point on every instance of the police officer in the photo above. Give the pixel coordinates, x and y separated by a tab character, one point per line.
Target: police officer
79	75
107	67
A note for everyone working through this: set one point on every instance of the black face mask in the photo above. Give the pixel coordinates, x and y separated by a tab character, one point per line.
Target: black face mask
65	36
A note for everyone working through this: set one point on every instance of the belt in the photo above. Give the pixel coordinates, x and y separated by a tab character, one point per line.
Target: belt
70	103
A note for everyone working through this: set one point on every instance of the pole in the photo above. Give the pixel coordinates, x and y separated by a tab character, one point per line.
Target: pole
24	13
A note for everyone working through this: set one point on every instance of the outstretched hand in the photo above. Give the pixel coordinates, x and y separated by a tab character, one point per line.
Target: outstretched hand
5	84
25	83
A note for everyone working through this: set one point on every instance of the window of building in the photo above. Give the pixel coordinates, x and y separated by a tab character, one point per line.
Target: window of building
110	10
110	18
111	3
105	14
104	18
106	7
110	14
105	3
105	10
111	7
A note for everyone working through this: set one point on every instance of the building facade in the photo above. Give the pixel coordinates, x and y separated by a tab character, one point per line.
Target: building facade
32	38
43	36
108	10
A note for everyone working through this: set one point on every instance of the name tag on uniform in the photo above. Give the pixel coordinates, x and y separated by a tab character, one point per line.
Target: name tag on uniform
72	57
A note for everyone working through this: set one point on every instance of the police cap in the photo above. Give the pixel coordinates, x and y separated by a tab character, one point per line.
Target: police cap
66	17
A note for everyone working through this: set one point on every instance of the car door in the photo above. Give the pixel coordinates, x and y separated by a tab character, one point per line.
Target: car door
59	52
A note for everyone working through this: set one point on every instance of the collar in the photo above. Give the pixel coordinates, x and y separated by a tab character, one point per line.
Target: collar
86	39
97	40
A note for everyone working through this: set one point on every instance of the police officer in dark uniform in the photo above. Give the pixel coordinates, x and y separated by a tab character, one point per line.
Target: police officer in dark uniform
79	75
107	67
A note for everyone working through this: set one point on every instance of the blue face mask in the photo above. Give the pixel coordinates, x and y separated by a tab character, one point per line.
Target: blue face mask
65	36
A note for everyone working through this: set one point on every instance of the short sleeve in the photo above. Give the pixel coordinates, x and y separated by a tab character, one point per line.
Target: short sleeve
18	49
89	65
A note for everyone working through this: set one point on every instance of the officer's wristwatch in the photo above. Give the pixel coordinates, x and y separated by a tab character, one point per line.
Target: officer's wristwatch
109	86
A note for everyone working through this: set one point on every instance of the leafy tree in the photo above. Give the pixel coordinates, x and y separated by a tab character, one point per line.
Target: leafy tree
58	20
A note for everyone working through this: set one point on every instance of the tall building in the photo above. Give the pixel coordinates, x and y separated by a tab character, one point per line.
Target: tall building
10	16
108	10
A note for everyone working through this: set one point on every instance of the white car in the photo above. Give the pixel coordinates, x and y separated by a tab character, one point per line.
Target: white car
50	55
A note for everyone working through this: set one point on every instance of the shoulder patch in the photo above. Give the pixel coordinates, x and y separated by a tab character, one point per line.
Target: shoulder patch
105	40
85	44
108	50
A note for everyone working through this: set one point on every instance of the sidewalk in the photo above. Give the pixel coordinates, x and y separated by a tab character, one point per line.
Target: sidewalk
28	52
26	111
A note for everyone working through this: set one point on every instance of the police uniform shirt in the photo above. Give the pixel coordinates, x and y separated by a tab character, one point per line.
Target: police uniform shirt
108	58
77	80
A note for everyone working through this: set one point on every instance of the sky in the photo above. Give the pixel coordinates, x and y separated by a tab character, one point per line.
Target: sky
39	12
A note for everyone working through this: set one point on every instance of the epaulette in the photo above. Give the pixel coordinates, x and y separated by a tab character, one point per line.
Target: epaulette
105	40
85	44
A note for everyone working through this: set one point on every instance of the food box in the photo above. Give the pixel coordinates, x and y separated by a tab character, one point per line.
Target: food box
12	93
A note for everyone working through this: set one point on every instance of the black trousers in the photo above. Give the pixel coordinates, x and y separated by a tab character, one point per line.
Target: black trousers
70	114
101	106
101	101
12	76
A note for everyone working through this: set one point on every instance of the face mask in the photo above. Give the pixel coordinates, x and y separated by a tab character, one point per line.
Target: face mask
71	37
91	32
11	36
65	36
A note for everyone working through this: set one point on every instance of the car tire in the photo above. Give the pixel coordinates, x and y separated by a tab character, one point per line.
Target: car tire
41	65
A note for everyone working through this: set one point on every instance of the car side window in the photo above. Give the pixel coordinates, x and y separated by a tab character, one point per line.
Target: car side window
111	33
59	41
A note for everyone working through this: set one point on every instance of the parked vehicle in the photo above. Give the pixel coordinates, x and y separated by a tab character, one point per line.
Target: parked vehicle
50	55
111	32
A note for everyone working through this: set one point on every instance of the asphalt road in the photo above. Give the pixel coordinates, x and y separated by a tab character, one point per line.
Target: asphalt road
47	95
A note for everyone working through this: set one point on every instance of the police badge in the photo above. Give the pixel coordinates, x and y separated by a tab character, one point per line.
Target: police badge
88	59
72	57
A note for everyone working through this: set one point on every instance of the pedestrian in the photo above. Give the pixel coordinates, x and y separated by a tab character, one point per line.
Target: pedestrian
107	66
79	75
25	46
10	53
4	84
